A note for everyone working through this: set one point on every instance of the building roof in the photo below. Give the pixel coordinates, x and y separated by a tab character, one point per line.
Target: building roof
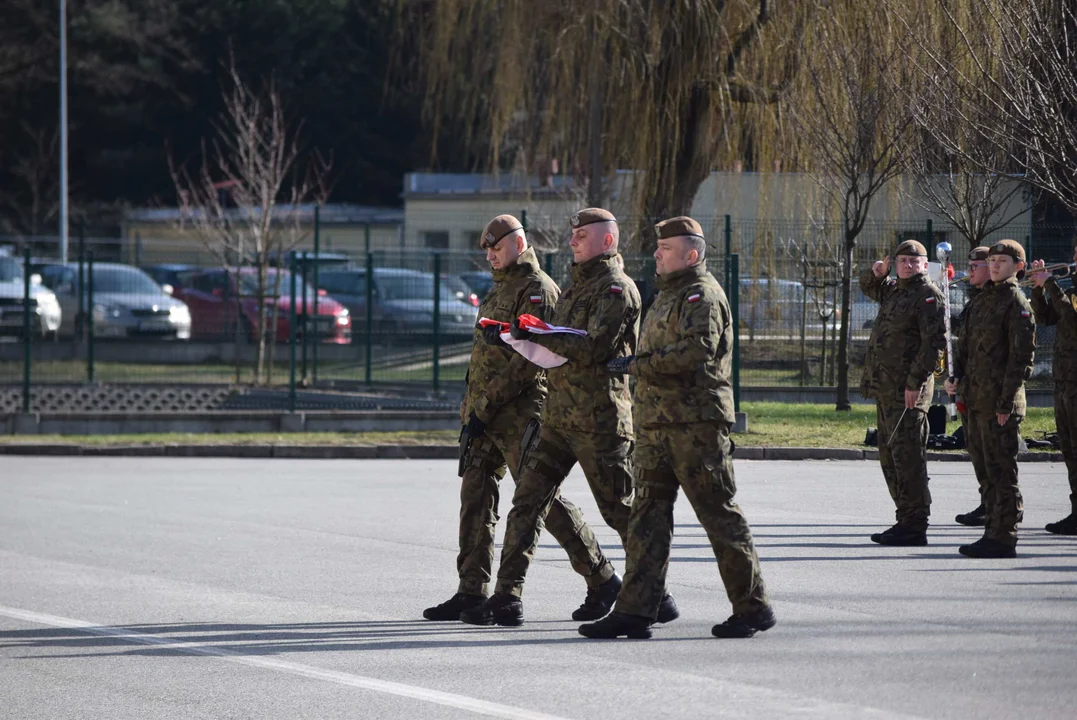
331	214
441	184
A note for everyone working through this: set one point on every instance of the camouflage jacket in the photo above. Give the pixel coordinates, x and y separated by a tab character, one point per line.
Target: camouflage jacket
603	301
906	340
498	376
684	360
996	350
958	323
1054	306
957	328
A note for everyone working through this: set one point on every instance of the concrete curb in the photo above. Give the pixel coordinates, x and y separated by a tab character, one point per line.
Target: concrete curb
426	452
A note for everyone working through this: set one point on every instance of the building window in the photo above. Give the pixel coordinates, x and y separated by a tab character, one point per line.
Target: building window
471	237
436	239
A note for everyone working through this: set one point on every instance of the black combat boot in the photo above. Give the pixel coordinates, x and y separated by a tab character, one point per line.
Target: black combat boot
499	609
617	624
451	608
1065	526
746	625
901	536
974	518
988	548
599	600
667	611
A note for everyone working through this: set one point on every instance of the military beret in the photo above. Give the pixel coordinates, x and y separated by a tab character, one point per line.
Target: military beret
1008	247
588	216
677	227
911	247
979	253
498	228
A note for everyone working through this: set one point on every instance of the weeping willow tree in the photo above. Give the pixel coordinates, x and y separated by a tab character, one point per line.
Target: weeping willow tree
668	90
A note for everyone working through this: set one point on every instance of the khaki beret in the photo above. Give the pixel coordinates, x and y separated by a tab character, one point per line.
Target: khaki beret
911	247
498	228
979	253
677	227
588	216
1008	247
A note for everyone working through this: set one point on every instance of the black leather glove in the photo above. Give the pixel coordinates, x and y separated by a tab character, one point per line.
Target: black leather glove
475	428
519	333
619	366
492	336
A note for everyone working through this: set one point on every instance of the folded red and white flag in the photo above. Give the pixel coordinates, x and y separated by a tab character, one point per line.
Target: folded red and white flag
534	352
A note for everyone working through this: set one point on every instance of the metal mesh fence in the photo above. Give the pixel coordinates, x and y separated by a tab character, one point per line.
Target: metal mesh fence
404	315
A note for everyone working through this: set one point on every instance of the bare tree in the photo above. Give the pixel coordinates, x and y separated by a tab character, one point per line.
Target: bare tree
33	164
854	124
246	199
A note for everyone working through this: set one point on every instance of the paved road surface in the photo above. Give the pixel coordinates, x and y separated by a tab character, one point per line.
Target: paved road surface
170	588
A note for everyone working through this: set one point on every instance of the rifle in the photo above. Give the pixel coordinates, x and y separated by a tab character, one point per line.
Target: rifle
942	252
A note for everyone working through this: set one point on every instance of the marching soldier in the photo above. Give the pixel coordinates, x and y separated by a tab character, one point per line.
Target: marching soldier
978	277
903	350
684	410
995	352
587	419
503	400
1054	306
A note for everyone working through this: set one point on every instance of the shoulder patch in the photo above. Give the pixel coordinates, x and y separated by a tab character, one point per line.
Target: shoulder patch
616	289
535	299
694	297
929	299
1025	314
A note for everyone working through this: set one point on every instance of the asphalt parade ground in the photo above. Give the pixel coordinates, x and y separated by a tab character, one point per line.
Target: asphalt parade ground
230	588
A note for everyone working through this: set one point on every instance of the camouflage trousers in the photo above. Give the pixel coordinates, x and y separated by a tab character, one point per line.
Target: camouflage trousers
976	456
606	464
698	458
479	498
1066	425
904	462
1003	505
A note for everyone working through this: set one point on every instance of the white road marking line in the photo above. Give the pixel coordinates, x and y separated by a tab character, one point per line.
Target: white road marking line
481	707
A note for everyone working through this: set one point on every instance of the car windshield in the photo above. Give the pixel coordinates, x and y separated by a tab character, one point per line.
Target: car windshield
413	287
124	280
250	283
10	270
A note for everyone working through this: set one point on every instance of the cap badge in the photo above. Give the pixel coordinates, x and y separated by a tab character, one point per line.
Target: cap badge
574	220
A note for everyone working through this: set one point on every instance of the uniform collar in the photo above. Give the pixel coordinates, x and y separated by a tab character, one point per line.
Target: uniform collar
689	275
918	279
594	267
526	264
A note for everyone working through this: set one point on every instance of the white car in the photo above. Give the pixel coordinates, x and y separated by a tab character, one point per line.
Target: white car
45	313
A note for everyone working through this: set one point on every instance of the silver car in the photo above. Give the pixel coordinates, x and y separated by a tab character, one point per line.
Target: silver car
126	302
45	310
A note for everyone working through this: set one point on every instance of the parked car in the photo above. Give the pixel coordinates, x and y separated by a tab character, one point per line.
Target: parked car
772	305
45	312
479	282
126	302
170	275
461	290
226	302
864	309
403	301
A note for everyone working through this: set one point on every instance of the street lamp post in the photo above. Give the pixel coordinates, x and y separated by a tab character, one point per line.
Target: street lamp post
63	131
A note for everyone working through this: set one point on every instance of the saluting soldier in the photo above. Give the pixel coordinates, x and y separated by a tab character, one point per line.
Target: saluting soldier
587	419
1054	306
908	336
996	351
978	277
504	397
684	410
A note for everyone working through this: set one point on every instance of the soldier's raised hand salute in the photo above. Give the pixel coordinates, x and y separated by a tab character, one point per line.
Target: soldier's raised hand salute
881	268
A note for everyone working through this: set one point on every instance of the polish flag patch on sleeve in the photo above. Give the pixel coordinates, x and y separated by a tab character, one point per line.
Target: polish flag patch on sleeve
535	299
1026	313
694	297
616	289
930	300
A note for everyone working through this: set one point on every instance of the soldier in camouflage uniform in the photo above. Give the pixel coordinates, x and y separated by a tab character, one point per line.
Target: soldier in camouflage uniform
1054	306
587	419
978	277
503	399
684	409
995	353
906	340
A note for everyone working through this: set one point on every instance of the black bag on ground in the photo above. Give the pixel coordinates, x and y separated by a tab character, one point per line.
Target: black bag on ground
936	420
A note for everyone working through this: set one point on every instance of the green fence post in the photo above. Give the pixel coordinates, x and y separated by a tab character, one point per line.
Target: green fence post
366	238
728	235
306	313
89	317
369	349
291	332
80	318
547	260
317	255
437	320
27	336
929	241
523	218
734	271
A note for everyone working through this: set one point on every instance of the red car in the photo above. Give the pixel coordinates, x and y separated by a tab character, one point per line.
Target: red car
220	299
